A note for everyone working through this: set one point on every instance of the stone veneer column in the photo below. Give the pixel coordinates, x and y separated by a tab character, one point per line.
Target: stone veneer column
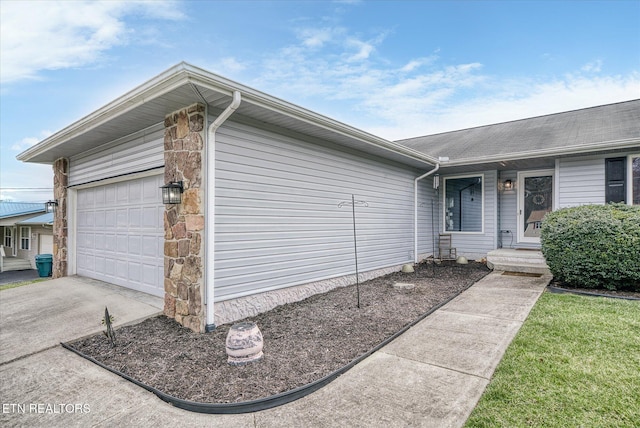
184	223
60	183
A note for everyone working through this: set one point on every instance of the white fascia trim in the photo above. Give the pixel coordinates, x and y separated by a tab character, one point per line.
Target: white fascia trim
561	151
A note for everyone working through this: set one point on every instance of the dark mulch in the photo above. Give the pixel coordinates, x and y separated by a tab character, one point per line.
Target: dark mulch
602	291
303	341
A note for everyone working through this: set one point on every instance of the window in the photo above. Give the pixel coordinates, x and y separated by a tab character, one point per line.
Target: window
25	238
615	179
8	238
622	179
463	204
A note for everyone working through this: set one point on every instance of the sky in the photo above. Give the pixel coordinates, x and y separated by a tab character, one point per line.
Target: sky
396	69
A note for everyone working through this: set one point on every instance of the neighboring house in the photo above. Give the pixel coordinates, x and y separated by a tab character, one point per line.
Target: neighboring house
25	231
260	223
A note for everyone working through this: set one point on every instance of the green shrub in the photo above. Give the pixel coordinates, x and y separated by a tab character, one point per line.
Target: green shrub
594	246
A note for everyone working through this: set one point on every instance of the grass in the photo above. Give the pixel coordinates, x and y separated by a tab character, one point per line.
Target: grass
574	363
21	283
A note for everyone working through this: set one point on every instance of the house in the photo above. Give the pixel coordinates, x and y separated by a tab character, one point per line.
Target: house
26	231
263	183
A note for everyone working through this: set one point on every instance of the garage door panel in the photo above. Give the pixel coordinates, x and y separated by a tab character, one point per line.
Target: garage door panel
110	243
134	217
110	218
98	197
150	217
149	191
99	265
120	236
149	274
149	246
100	219
134	245
135	191
110	196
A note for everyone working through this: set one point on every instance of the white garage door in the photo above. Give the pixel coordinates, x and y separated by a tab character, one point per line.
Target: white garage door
120	236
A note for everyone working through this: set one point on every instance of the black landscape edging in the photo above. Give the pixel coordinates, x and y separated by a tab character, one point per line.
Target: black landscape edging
267	402
559	290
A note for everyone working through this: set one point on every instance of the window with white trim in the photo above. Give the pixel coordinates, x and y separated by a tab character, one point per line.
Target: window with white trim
8	237
622	179
463	203
615	171
25	238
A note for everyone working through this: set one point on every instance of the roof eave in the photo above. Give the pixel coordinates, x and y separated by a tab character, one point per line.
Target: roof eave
183	74
557	152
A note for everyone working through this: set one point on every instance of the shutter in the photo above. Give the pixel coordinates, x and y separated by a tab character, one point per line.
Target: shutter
615	174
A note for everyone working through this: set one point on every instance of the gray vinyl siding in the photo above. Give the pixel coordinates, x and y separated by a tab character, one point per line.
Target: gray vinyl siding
581	181
141	151
477	245
277	220
428	225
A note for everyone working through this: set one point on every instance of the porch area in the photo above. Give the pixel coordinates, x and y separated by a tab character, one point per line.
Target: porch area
518	260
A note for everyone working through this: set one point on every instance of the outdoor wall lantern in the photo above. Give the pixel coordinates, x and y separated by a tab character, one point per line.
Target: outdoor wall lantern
508	185
172	192
50	206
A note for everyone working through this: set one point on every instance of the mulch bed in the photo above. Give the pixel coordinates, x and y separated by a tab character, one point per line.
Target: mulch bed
303	341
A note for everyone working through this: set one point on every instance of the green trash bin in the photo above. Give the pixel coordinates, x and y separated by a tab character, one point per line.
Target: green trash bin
44	263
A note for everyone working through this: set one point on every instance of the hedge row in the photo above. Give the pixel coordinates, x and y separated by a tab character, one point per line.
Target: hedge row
594	246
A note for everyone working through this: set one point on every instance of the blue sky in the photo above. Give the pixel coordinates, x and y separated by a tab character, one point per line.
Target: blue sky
394	68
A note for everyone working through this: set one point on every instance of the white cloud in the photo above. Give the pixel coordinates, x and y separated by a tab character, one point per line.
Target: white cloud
232	65
27	142
363	50
423	95
36	36
592	67
316	37
510	101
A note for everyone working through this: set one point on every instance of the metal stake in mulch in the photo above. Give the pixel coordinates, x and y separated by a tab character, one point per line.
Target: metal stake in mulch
353	204
108	322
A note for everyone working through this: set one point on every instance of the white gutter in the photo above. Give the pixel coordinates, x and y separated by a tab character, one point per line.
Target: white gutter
210	198
415	207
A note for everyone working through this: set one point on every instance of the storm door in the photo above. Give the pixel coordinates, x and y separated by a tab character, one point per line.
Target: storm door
535	200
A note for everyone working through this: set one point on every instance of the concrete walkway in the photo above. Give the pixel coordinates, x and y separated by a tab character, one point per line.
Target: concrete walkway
431	376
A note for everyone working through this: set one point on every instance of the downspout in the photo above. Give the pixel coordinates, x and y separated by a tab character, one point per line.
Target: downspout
210	212
415	211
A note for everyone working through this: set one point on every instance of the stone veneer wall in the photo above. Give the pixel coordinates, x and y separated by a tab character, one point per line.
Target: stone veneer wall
60	232
236	309
184	223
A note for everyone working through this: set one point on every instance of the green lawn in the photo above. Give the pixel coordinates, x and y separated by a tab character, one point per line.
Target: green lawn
574	363
20	284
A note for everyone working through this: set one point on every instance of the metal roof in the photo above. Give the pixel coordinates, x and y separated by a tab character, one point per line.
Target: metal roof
46	218
182	85
604	128
15	209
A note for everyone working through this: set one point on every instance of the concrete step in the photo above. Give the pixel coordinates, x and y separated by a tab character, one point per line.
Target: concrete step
13	263
511	260
521	267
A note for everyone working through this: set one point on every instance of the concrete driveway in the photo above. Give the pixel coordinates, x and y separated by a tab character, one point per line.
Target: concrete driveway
431	376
